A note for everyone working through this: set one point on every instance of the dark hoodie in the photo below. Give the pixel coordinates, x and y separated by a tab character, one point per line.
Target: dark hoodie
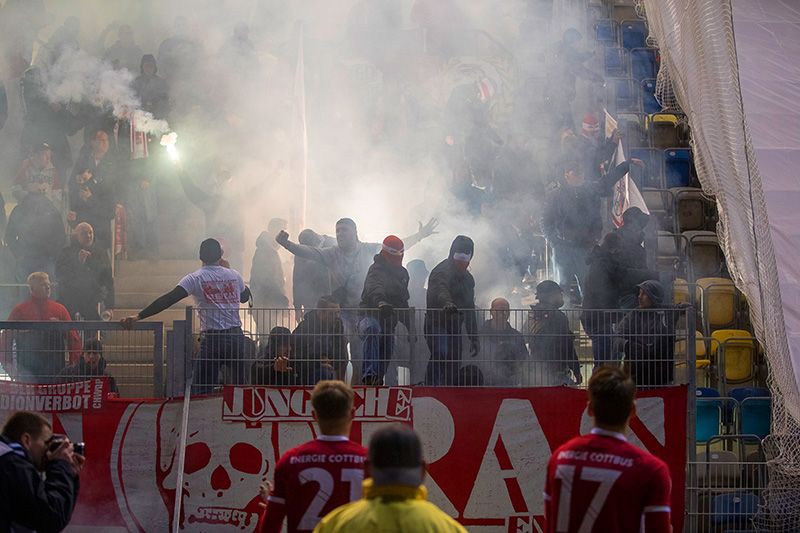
266	275
152	90
386	284
449	285
649	338
81	371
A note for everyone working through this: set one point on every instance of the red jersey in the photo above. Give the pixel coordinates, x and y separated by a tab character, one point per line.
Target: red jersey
312	480
40	310
599	482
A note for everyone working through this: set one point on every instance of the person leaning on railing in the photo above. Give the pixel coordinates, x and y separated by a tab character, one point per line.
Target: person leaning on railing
319	339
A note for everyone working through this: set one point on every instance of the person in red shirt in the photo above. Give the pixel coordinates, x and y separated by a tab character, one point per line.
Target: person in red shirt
320	475
39	353
599	482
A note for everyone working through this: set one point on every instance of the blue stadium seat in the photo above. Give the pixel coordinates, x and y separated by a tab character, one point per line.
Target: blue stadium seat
754	410
634	34
623	97
649	103
644	63
615	62
678	167
634	134
709	414
734	508
652	174
605	31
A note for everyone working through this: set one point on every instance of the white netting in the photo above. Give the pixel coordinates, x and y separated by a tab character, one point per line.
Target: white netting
698	52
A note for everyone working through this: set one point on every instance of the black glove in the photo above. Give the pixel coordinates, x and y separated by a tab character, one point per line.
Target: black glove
385	311
450	309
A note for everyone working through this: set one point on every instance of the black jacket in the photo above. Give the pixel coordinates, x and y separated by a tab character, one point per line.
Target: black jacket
83	285
28	501
551	339
266	275
316	339
35	228
572	215
386	284
649	345
447	285
97	210
81	371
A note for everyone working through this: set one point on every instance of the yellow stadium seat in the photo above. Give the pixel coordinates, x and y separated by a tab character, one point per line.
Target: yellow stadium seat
735	350
680	292
718	301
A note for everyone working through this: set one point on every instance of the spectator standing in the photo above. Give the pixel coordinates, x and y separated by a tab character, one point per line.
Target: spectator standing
92	202
334	483
319	338
83	272
39	483
384	303
347	264
39	353
310	280
572	222
124	53
267	282
637	485
38	170
91	364
503	350
648	334
35	233
450	305
551	339
152	89
95	157
218	292
394	494
631	250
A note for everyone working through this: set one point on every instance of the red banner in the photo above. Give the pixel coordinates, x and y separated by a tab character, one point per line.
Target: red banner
86	395
487	451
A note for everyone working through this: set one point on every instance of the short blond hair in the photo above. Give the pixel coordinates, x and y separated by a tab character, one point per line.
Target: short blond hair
37	276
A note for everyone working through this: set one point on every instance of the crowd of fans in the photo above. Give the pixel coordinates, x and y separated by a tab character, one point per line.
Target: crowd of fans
510	153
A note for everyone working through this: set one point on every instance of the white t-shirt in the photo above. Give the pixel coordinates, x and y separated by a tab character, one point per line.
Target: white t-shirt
216	291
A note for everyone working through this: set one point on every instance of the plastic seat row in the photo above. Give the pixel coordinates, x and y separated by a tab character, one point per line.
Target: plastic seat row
664	169
747	409
655	130
680	209
721	305
638	63
695	254
628	34
627	95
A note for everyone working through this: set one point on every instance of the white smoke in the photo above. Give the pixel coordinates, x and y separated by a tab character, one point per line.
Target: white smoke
77	77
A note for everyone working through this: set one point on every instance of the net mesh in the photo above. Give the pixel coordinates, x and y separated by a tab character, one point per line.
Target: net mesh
698	58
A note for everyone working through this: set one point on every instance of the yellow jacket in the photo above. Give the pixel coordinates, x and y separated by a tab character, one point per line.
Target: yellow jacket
389	509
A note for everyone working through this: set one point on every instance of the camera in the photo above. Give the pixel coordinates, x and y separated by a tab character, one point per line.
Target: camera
56	440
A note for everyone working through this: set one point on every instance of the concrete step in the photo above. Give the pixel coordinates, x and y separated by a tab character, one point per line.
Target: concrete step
146	283
161	267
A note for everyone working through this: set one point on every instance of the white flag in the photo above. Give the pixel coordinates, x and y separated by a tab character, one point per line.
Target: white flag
626	193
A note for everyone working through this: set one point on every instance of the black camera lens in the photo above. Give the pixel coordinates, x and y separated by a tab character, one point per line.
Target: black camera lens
79	448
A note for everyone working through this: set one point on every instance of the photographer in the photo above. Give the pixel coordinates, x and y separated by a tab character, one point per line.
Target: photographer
28	448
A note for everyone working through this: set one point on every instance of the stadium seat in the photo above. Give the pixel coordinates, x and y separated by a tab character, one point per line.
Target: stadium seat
623	12
709	414
634	33
677	167
659	203
649	103
605	31
735	351
670	251
704	257
663	130
693	209
754	410
681	294
634	134
622	96
651	175
718	298
734	509
644	63
718	469
615	62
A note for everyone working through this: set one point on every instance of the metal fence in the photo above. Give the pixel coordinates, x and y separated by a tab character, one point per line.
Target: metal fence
495	348
57	352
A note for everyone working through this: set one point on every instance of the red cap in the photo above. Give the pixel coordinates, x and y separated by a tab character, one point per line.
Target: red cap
392	250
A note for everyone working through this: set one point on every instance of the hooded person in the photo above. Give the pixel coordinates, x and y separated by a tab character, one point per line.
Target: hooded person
384	302
450	304
310	280
152	89
631	250
266	278
647	336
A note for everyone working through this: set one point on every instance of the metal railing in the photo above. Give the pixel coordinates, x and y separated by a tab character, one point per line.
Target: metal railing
54	352
514	348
